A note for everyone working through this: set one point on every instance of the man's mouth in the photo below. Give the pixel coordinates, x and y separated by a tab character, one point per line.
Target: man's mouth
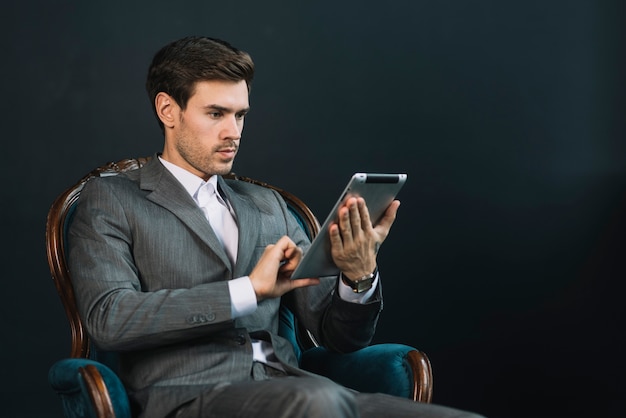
227	152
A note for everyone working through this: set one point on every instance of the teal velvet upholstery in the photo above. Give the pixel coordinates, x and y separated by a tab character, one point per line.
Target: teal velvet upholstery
287	330
66	379
379	368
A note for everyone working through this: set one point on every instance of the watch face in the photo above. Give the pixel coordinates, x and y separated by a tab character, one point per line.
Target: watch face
363	285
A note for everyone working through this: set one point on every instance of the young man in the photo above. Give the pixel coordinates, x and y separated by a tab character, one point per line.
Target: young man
191	301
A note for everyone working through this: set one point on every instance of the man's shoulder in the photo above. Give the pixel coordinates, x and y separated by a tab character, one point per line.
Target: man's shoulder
123	180
240	185
263	197
121	184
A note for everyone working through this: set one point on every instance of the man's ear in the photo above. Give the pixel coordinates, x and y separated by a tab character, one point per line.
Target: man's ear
166	108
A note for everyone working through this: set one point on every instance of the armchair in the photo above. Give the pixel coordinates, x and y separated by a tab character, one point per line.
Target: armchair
86	381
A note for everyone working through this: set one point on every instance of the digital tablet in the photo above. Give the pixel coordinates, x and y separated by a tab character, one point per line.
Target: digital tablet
378	190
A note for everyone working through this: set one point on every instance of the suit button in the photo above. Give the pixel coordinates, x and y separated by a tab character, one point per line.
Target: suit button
201	318
240	339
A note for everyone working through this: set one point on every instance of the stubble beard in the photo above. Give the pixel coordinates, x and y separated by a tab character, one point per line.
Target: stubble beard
204	162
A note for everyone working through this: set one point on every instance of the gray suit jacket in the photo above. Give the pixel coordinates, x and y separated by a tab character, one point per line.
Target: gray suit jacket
151	283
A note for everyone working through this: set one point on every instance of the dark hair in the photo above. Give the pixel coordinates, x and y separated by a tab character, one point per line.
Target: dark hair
179	65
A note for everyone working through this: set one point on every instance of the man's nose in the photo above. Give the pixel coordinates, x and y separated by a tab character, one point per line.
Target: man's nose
231	128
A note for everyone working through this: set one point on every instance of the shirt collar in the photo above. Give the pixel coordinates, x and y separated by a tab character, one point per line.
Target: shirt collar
190	181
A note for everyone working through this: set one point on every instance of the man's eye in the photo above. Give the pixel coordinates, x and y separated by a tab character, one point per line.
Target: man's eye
215	114
240	116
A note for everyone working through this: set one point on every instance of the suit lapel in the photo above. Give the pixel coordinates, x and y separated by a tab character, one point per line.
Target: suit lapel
167	192
248	221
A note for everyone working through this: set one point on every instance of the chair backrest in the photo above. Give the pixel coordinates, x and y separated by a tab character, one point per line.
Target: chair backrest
58	221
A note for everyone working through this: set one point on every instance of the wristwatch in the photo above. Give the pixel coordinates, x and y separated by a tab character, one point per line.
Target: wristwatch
362	284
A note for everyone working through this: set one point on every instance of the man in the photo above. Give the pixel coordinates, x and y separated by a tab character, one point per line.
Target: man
190	301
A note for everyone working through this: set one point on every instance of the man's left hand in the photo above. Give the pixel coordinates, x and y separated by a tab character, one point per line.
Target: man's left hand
355	241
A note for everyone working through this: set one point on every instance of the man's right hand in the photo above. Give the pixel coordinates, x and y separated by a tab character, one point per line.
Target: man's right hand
271	277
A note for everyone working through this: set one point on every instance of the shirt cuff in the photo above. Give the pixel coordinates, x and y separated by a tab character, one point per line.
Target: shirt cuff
242	297
346	293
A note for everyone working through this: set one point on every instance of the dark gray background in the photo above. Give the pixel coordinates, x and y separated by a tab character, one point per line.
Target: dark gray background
506	264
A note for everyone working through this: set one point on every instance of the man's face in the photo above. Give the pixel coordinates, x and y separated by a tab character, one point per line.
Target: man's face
204	138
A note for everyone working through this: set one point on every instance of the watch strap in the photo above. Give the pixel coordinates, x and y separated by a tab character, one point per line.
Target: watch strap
361	284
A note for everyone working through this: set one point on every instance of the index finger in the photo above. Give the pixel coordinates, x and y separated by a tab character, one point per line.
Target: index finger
285	243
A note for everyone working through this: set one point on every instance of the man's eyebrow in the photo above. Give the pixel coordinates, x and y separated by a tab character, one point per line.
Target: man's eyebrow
225	109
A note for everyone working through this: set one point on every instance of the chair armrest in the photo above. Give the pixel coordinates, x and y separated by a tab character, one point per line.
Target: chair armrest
394	369
88	388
